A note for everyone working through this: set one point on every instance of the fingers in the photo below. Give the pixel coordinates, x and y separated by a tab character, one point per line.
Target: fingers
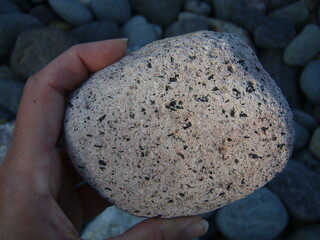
183	228
41	110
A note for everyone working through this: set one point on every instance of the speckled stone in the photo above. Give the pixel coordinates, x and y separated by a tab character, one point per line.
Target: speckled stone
182	126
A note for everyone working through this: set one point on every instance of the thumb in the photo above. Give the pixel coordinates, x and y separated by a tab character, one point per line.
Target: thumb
183	228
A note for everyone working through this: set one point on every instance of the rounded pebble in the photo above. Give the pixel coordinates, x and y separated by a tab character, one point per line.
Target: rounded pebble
11	93
310	82
114	10
301	137
197	6
307	158
96	31
72	11
260	216
303	47
10	27
8	7
182	126
314	145
299	188
305	119
186	26
311	232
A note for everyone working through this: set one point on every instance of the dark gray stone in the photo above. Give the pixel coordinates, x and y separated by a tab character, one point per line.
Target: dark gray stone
162	12
186	26
299	189
287	78
24	5
44	13
311	232
96	31
274	33
11	92
8	7
114	10
139	32
6	72
260	216
157	30
275	4
6	133
303	47
35	48
307	158
314	145
305	119
10	27
196	6
301	137
72	11
296	13
310	81
5	116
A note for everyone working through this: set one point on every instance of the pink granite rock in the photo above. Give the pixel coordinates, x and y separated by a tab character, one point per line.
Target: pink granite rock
182	126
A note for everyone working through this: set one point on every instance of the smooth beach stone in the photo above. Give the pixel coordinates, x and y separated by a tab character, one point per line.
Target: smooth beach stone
182	126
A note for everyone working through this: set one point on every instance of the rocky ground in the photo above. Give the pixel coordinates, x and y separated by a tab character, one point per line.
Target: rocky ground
284	33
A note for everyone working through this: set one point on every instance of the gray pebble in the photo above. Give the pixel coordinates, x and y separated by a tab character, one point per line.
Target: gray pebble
314	145
285	76
162	12
311	232
11	93
303	47
305	119
186	26
296	13
118	11
301	137
274	33
6	133
307	158
260	216
10	27
96	31
5	116
188	124
299	188
6	72
196	6
24	5
310	81
35	48
8	6
72	11
44	13
157	30
139	32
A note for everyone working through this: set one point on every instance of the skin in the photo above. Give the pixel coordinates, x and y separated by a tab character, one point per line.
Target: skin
39	199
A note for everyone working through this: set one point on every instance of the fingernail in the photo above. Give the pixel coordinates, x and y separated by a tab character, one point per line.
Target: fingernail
195	229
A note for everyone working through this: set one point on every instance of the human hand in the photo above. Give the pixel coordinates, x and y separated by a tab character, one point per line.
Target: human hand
39	197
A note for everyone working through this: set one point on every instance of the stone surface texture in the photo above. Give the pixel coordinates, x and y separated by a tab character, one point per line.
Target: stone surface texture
6	133
182	126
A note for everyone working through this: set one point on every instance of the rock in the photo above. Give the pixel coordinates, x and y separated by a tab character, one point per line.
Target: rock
286	77
114	10
5	116
260	216
274	33
275	4
301	137
299	188
11	92
6	133
314	145
72	11
186	26
196	6
6	72
96	31
219	25
157	30
10	27
8	7
22	4
139	32
258	5
162	12
35	48
303	47
307	158
311	232
296	13
310	82
110	223
305	119
194	123
44	13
